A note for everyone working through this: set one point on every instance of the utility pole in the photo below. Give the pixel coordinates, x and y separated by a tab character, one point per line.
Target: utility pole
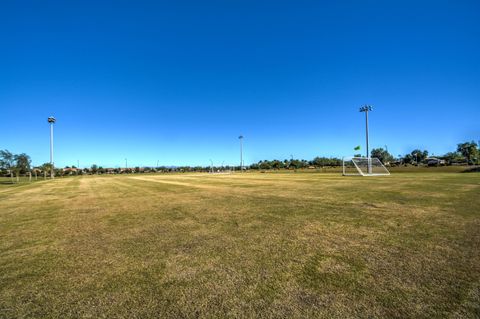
51	120
241	152
126	165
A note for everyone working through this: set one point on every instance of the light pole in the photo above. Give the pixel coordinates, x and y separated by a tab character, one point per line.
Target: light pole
51	120
126	166
241	152
211	166
366	109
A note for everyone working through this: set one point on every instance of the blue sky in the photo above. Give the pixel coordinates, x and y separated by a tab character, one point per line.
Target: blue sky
178	81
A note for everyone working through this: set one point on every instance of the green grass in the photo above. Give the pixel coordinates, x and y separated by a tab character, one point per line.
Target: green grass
243	245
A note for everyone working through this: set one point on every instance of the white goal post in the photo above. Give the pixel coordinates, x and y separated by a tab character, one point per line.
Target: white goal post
364	166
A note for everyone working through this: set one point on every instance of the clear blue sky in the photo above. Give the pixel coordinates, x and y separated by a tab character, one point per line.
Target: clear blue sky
178	81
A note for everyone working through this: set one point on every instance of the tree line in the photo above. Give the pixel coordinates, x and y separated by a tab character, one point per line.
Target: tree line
466	153
15	165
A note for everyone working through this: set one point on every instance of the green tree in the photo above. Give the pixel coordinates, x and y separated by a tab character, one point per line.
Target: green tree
276	164
94	169
383	155
303	163
7	160
418	156
294	163
320	161
408	159
22	163
335	161
46	167
264	164
59	172
325	161
254	166
469	150
451	157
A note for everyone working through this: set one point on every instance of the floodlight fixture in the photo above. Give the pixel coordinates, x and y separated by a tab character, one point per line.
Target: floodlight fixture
366	108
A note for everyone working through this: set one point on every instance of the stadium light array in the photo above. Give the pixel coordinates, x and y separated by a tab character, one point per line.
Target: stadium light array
52	121
366	109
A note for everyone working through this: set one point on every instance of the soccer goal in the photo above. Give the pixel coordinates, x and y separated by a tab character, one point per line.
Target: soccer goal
363	166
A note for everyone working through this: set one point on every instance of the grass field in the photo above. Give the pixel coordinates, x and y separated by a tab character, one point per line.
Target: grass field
241	246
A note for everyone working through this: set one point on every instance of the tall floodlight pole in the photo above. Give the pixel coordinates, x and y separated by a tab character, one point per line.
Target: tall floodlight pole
51	120
241	152
366	109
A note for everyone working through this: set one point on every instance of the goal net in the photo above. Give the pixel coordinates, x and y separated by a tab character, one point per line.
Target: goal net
364	166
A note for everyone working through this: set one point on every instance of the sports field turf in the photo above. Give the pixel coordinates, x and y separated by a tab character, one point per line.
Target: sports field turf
246	245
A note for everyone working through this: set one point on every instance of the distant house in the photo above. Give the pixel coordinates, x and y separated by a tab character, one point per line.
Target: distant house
69	170
433	161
